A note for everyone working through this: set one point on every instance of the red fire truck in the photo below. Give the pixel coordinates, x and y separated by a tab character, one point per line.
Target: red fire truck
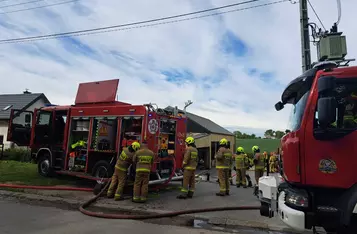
105	126
319	187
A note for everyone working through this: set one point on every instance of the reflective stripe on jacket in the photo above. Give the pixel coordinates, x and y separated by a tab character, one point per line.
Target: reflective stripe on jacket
260	161
190	159
223	158
124	160
143	159
241	161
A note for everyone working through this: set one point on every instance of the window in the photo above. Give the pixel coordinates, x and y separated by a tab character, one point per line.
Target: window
297	112
346	111
44	118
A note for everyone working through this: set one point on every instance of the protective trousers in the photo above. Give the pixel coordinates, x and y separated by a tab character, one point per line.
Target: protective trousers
141	186
230	176
189	182
223	177
240	177
118	179
272	167
259	172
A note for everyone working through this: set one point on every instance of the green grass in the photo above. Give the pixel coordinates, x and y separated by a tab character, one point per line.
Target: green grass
268	145
25	173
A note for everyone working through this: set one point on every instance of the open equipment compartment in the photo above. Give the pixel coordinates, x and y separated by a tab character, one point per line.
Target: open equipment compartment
167	145
79	131
131	130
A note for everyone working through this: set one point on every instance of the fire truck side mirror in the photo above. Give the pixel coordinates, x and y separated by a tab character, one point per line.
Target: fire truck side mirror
326	111
28	118
279	106
326	85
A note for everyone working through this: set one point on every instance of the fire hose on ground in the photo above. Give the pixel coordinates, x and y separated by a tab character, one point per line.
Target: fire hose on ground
85	205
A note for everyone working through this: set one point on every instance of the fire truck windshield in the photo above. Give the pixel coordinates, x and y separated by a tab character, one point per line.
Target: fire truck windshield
297	112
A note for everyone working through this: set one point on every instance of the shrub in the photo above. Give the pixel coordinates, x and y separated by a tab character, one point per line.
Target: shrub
17	154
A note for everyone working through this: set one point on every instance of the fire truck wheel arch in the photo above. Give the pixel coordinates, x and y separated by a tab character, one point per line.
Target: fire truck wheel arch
101	165
44	163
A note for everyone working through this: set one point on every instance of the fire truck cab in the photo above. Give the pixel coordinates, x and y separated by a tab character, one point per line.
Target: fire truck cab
319	186
84	139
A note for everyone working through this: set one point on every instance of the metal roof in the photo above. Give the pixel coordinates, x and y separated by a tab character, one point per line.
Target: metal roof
18	101
207	124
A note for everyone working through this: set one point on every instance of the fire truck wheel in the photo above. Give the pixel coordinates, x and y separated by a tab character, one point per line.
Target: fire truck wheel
43	166
102	169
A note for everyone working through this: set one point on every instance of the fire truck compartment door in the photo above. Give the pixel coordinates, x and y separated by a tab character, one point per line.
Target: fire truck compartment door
97	92
20	126
43	128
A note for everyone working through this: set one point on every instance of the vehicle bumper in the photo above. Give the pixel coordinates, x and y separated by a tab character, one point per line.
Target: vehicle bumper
293	218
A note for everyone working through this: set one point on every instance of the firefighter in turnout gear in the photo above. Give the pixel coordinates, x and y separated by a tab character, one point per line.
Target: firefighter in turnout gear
143	159
190	162
224	159
240	167
272	163
125	159
259	163
250	164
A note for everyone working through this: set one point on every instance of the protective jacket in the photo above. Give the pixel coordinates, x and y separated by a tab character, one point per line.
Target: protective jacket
124	160
224	158
143	159
190	159
241	161
260	160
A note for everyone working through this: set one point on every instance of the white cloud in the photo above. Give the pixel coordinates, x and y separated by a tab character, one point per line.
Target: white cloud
271	33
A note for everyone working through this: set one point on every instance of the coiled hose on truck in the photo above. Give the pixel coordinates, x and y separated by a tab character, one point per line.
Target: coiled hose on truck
85	205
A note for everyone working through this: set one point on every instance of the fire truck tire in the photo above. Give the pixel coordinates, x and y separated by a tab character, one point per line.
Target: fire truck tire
44	166
100	167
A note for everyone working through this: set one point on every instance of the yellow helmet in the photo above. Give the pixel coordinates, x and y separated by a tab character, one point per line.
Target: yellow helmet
255	148
240	149
190	140
135	145
223	141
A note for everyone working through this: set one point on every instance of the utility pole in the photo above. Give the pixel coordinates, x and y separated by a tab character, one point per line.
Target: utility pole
305	36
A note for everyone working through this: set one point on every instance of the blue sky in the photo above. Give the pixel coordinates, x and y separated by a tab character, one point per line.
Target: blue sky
233	67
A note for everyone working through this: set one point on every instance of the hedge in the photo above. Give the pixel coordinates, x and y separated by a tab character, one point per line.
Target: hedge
17	154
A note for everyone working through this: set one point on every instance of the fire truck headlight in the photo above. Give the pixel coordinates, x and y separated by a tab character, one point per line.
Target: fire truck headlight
296	199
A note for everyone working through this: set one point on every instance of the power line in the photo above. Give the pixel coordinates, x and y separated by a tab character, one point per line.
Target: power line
38	7
317	16
125	27
22	3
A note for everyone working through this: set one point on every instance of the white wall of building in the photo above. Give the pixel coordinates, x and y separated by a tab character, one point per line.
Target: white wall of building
4	123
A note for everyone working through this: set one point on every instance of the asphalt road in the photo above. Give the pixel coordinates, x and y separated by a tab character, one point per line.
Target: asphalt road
20	218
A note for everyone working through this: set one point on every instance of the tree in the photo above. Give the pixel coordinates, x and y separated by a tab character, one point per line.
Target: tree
287	131
269	133
279	134
238	134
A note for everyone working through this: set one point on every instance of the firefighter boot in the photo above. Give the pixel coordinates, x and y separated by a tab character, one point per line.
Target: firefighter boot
238	185
245	186
221	194
182	196
250	184
190	194
255	193
227	192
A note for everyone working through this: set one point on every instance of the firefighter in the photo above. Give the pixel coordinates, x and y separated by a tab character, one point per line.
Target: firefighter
241	161
259	163
272	163
125	159
143	159
190	162
223	163
247	176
